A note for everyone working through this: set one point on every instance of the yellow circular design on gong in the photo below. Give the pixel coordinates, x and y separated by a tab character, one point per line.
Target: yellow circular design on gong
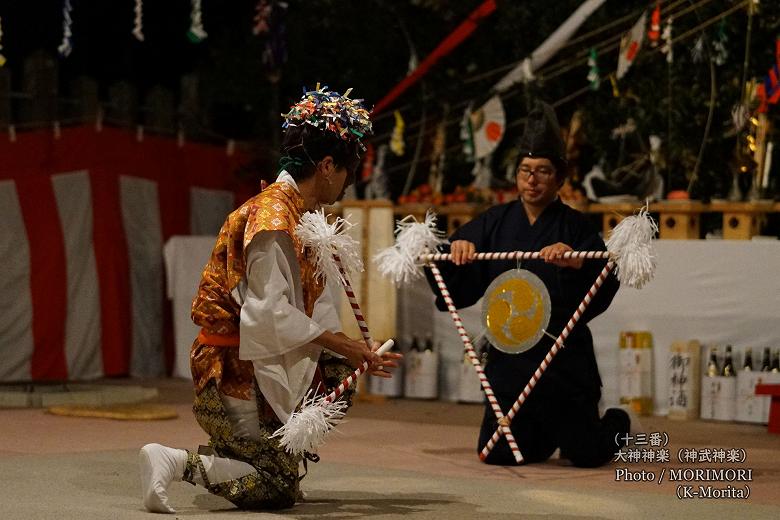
515	311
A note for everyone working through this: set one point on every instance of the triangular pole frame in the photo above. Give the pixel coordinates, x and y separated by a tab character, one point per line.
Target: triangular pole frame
505	420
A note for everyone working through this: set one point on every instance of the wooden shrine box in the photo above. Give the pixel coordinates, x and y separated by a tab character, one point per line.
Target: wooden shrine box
741	220
612	214
679	220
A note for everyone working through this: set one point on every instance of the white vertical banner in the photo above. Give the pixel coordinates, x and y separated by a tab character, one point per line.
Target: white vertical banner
82	327
16	307
143	232
185	259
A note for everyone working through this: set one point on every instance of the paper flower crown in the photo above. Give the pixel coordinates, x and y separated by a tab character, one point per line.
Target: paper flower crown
333	112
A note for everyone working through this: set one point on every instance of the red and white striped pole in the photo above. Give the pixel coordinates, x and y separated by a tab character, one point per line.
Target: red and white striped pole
472	355
347	382
353	303
548	358
514	255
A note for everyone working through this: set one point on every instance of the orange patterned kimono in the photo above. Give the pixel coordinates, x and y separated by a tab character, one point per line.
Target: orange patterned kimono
214	354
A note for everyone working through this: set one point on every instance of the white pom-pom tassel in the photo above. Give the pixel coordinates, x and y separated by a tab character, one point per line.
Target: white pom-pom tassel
307	428
326	239
631	244
413	239
393	264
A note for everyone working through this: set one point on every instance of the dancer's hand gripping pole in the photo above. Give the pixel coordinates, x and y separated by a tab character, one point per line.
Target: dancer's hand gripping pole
347	382
307	428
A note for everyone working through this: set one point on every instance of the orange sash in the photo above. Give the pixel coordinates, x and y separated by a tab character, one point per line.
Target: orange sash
218	340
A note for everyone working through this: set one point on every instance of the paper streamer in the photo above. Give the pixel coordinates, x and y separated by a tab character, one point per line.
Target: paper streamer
397	145
138	22
196	34
66	46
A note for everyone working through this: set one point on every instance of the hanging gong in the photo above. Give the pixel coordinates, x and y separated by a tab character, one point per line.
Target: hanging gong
515	311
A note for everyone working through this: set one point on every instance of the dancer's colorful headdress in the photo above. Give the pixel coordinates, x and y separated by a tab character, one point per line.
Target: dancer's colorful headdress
330	111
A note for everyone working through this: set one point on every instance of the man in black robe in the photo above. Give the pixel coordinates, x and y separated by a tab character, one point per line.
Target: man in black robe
562	410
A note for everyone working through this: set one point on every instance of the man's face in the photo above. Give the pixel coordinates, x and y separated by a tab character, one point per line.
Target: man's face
349	175
537	181
331	181
342	181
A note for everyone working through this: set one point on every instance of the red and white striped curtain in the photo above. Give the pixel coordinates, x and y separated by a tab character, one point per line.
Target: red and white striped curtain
83	220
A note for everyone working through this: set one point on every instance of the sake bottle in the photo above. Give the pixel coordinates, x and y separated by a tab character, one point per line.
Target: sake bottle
747	363
765	360
728	364
429	342
712	364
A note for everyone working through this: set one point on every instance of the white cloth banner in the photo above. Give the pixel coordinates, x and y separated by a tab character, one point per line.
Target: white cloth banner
143	233
715	291
185	258
16	334
82	327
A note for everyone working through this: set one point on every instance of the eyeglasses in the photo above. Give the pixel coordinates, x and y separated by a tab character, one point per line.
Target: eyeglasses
542	173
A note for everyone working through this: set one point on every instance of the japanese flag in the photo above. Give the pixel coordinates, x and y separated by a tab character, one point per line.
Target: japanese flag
488	124
630	45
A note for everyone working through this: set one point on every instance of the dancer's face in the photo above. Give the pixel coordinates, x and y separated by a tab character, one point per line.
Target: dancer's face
331	181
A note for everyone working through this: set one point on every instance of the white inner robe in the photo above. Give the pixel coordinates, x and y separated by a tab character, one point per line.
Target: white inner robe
275	333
